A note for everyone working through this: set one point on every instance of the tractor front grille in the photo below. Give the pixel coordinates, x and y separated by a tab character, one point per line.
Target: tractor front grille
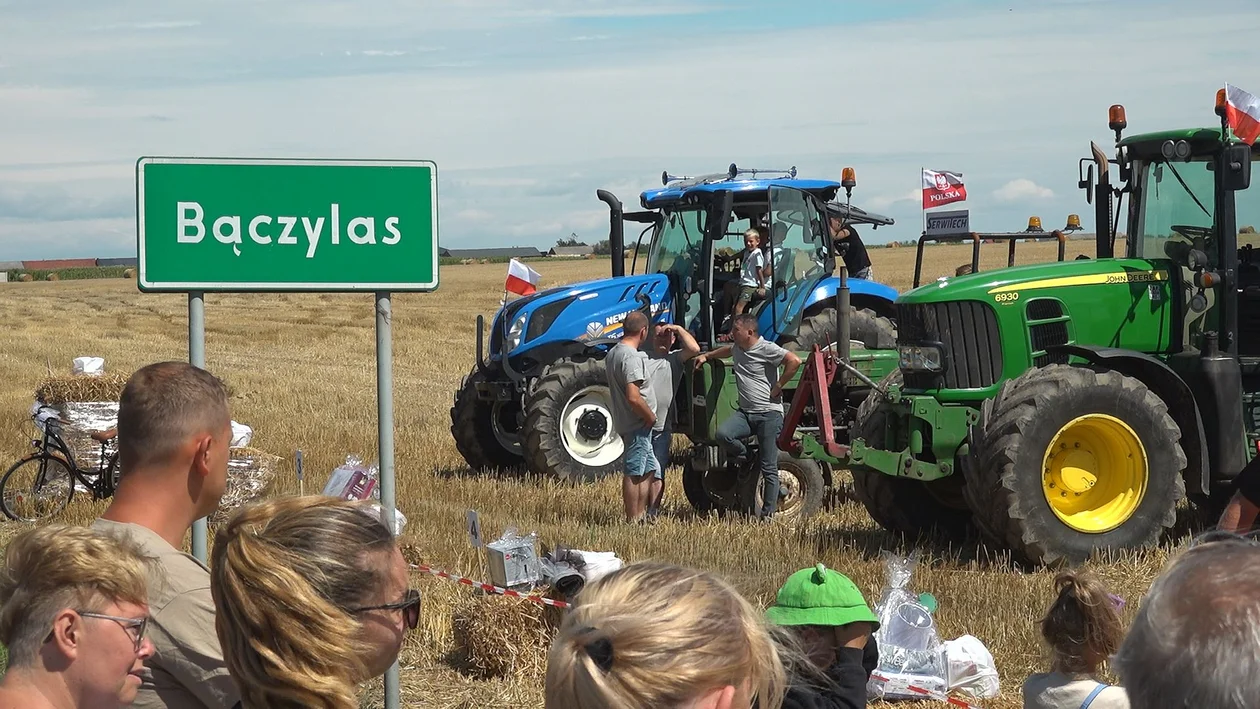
966	330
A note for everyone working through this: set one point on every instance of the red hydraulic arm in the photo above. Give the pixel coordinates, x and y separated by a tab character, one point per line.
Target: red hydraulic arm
815	383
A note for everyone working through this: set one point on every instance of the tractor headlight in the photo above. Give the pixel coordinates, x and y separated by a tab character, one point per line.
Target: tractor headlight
922	358
514	333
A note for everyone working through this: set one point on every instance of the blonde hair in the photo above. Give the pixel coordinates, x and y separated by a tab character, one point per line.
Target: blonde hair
59	566
1083	626
659	635
283	573
761	233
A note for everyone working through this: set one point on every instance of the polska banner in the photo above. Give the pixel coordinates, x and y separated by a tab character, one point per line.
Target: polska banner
941	187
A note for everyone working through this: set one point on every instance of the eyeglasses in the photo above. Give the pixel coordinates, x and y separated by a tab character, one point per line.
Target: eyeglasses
409	605
128	624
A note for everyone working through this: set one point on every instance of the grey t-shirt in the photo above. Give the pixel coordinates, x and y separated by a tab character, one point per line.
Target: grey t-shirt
664	372
756	371
624	365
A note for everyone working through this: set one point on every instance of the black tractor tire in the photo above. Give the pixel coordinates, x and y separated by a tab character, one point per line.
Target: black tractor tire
915	508
472	427
702	501
873	331
581	383
803	481
1008	478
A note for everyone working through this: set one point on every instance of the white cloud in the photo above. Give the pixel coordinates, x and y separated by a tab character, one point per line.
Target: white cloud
885	201
1022	190
153	25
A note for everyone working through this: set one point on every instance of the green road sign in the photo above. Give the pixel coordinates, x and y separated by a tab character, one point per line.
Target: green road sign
286	225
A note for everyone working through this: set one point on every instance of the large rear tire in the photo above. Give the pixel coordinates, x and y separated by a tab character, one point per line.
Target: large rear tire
486	433
901	505
873	331
568	428
1068	460
699	486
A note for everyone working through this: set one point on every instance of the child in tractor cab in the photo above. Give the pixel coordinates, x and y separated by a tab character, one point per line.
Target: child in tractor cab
752	271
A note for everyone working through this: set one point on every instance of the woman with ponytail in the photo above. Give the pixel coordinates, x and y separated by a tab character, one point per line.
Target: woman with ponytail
1083	630
312	599
666	637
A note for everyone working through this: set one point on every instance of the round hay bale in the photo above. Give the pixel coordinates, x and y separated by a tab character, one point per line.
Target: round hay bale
54	277
499	636
1247	230
589	257
129	273
26	278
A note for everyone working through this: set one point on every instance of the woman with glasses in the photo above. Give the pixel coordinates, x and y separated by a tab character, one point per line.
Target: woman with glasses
312	598
73	610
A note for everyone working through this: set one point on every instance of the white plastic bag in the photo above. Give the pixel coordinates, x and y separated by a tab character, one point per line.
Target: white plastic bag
909	648
241	435
971	667
93	366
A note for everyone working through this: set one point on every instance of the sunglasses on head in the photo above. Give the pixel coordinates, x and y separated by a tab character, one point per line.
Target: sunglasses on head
409	605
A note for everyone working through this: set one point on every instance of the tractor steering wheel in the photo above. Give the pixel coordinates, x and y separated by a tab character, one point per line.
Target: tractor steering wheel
1192	232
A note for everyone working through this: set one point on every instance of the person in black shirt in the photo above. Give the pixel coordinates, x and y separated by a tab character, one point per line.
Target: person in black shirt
1241	512
849	245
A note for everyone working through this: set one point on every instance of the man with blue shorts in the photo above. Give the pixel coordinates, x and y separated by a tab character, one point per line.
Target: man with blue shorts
632	413
665	371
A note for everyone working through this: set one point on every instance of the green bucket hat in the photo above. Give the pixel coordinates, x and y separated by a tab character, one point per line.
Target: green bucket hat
820	596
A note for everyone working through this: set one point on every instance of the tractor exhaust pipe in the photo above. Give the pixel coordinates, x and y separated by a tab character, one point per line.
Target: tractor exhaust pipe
616	232
842	315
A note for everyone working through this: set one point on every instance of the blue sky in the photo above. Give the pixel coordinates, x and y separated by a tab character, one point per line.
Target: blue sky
529	107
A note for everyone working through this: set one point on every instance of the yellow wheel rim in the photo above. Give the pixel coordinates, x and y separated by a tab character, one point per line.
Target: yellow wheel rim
1095	473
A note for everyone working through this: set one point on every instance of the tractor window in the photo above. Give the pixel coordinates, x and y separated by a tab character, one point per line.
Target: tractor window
1178	205
1247	209
798	253
678	244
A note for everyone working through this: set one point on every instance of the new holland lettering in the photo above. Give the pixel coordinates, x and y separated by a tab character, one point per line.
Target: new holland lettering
283	230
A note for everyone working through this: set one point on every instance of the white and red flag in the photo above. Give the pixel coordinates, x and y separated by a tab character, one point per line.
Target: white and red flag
521	279
942	187
1242	111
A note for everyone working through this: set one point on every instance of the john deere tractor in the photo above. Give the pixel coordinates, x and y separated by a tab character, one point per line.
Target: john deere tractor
1069	407
537	397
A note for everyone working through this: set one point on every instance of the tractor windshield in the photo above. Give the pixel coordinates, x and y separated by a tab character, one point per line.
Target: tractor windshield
676	250
1177	205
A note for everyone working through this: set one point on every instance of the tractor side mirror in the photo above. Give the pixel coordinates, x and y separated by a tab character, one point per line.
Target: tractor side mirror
1087	184
1237	174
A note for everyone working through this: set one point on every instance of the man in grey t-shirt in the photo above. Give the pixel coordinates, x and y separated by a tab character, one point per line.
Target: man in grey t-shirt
632	413
756	362
664	373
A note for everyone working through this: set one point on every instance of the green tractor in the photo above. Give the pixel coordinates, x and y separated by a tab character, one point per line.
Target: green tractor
1068	407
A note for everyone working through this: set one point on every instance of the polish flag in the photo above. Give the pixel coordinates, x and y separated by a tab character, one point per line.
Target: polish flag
521	279
942	187
1242	111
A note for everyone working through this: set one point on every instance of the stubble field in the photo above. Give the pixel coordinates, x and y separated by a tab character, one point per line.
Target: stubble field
302	372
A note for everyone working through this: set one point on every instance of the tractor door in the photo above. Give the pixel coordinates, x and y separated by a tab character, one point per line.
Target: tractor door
799	258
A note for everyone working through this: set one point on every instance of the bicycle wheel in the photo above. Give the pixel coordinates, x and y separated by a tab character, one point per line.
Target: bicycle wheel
36	488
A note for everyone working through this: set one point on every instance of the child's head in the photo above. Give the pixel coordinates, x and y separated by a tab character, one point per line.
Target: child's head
1083	626
659	635
821	606
753	239
964	269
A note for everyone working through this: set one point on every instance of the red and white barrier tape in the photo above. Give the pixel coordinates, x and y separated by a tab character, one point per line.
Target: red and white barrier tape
928	693
489	588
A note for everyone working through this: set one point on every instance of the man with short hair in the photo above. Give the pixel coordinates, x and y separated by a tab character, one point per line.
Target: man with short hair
664	373
174	431
849	245
632	413
73	610
756	362
1196	639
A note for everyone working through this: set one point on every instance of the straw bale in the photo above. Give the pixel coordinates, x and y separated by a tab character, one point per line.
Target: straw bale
26	278
54	277
61	388
129	273
499	636
250	473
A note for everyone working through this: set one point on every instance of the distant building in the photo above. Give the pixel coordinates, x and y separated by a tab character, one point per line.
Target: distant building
10	265
57	264
505	252
570	251
114	262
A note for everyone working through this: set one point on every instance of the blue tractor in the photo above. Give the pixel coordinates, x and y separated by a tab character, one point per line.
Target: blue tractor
537	397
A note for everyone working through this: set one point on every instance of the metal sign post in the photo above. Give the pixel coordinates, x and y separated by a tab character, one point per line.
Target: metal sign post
321	226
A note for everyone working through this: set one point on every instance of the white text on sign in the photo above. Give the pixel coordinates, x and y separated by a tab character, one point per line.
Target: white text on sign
264	229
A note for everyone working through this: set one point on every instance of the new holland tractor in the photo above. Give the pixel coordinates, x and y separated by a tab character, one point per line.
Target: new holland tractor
1068	407
537	396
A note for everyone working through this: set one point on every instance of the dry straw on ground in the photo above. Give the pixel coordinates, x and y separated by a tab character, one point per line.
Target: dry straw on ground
301	369
501	637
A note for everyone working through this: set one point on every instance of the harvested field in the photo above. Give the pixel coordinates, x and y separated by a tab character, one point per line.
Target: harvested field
301	370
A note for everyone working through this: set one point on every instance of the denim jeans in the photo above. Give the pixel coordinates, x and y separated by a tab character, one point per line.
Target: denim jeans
766	425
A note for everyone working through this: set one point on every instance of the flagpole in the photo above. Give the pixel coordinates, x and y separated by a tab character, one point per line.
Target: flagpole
922	208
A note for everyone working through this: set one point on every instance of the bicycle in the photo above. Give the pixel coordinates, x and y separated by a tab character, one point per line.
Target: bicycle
40	485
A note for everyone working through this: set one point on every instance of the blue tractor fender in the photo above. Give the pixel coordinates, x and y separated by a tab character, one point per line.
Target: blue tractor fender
862	294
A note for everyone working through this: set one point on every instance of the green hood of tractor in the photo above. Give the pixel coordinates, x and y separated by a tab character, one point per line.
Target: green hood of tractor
994	325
